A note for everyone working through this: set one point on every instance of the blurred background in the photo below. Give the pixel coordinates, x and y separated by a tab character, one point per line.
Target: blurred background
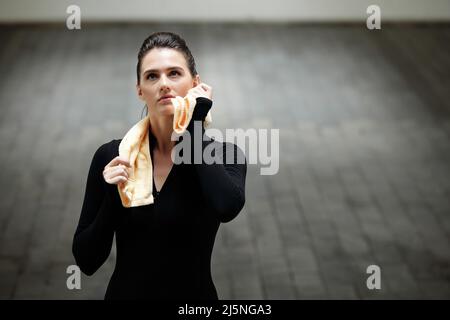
363	117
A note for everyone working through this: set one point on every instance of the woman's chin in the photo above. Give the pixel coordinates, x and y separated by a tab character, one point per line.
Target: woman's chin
166	109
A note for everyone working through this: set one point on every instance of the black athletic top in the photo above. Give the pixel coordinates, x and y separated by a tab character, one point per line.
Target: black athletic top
163	249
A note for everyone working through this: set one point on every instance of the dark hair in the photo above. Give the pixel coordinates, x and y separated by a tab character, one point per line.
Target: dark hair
165	40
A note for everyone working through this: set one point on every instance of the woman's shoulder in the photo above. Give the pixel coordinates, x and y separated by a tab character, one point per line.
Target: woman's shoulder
107	151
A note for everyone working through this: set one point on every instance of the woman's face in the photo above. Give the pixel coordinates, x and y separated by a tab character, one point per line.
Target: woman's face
164	71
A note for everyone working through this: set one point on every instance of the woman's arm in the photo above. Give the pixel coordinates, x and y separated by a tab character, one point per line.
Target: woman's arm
93	237
223	185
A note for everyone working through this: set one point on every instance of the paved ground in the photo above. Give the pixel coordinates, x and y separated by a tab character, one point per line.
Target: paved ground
364	120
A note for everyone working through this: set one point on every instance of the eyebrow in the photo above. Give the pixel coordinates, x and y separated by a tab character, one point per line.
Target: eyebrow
155	70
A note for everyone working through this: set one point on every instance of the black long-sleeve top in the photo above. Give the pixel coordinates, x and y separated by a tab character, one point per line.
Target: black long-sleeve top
163	249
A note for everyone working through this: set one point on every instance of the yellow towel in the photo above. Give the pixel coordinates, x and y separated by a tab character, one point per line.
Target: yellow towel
135	146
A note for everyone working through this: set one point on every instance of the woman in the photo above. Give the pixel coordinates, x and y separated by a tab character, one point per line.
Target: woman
164	248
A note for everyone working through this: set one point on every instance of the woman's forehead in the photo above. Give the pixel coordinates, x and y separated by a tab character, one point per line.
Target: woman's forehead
160	59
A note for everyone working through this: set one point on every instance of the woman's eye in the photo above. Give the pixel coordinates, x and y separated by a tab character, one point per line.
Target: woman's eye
153	76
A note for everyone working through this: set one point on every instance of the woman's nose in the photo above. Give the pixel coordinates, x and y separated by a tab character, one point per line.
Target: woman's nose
164	82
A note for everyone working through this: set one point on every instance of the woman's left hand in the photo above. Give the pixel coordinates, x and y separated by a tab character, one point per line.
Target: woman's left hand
201	90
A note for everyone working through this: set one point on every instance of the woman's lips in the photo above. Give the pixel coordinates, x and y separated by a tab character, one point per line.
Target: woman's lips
165	100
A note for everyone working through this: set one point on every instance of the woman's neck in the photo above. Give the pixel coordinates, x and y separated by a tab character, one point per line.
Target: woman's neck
162	128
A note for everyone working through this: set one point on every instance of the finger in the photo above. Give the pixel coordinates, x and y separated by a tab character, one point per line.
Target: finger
117	180
118	160
205	86
122	166
200	87
119	170
123	161
202	90
115	171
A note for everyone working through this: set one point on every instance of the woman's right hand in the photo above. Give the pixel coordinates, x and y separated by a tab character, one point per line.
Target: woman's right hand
115	171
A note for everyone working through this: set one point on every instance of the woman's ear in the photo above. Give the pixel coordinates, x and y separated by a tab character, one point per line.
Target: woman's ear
139	92
196	80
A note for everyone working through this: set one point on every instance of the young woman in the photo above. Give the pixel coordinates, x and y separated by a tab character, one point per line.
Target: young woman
164	248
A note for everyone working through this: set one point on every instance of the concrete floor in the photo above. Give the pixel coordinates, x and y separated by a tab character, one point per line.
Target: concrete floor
364	120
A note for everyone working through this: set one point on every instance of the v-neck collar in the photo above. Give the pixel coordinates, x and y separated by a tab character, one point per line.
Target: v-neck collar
152	142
